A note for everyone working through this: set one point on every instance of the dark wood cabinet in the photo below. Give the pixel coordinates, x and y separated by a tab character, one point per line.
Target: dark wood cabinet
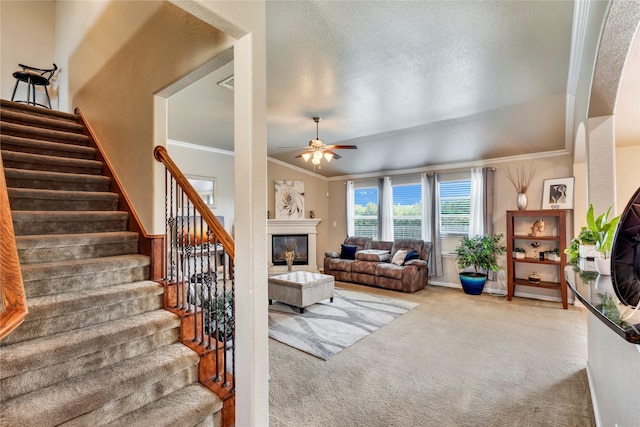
554	236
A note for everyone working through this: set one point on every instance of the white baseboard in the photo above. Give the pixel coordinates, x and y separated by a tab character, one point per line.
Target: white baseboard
594	401
502	292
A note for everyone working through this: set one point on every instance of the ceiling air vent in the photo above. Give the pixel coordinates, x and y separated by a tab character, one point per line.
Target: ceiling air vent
227	83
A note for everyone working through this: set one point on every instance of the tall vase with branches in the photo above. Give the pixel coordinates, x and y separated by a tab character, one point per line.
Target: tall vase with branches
521	183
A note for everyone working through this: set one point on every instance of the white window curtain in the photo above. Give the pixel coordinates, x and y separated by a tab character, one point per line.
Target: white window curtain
351	223
481	221
386	210
431	221
476	220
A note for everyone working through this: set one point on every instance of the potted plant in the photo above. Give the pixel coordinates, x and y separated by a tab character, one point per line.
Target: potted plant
582	250
479	252
518	253
552	255
603	229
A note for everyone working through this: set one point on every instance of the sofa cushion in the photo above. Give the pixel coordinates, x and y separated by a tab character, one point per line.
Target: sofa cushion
382	245
407	245
411	255
364	267
398	257
338	264
375	255
348	251
361	242
390	270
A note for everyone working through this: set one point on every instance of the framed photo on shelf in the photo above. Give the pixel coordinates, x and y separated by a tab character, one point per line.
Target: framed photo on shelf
557	193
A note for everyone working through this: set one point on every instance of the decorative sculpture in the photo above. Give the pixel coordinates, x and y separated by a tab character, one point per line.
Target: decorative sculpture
537	228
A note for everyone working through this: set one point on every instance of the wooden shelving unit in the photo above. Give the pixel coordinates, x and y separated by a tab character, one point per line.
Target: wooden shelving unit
555	234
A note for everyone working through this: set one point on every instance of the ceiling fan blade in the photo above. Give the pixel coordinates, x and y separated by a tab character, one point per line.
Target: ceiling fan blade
336	156
300	155
342	147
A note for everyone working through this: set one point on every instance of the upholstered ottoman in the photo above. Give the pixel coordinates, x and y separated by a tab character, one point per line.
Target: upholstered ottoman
300	288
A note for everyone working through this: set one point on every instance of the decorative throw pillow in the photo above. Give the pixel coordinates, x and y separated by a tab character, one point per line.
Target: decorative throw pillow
411	255
348	251
398	258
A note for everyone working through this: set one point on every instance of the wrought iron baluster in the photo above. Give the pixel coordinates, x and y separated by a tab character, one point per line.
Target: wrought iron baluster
211	281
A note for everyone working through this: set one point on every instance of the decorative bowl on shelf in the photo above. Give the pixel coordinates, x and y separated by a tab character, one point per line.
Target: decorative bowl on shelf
534	278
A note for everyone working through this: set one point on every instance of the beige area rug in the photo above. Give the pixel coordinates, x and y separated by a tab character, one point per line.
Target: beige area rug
454	360
327	328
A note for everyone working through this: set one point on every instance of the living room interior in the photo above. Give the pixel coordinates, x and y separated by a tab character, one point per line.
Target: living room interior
504	87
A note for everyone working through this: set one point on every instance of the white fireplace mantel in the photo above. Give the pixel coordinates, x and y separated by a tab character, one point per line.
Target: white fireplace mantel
294	226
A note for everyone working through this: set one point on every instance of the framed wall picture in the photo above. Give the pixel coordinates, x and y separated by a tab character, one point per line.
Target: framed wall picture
205	186
289	201
557	193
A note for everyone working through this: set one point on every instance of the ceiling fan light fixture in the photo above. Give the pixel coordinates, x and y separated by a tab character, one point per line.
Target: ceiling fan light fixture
328	156
315	160
317	155
306	156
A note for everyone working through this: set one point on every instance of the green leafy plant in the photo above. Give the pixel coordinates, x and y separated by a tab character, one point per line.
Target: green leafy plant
480	252
585	237
573	251
603	229
518	250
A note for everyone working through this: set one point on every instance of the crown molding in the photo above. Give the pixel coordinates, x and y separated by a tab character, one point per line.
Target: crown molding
461	165
199	147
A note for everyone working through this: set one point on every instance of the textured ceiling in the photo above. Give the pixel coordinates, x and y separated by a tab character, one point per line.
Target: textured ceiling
411	83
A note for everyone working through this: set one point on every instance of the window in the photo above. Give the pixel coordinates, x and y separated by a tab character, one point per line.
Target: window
407	211
366	212
455	206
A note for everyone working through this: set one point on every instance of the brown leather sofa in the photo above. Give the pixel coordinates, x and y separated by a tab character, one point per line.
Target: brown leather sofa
370	263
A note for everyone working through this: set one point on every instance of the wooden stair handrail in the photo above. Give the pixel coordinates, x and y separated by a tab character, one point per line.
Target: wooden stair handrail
14	301
161	155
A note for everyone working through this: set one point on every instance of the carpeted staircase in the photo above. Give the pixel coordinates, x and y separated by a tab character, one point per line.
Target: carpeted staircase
96	348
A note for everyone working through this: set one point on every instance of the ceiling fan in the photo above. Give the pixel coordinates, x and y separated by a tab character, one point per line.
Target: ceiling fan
318	149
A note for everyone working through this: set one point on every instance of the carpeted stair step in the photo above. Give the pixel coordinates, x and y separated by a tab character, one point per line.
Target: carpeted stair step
187	407
23	178
36	146
6	105
55	314
27	223
60	247
81	399
26	199
31	132
68	355
49	278
16	160
43	122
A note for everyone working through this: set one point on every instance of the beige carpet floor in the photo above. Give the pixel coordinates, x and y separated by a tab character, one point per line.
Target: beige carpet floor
455	360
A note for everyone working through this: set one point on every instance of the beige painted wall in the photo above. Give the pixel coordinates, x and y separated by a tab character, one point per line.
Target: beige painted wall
118	100
315	198
34	47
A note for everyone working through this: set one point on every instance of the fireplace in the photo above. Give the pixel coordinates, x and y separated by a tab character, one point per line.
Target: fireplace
304	233
298	243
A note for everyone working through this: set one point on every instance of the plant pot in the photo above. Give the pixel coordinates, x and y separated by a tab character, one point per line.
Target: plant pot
589	251
472	284
603	266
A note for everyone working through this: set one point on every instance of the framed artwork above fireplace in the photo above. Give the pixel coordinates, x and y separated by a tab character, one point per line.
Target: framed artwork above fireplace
289	200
